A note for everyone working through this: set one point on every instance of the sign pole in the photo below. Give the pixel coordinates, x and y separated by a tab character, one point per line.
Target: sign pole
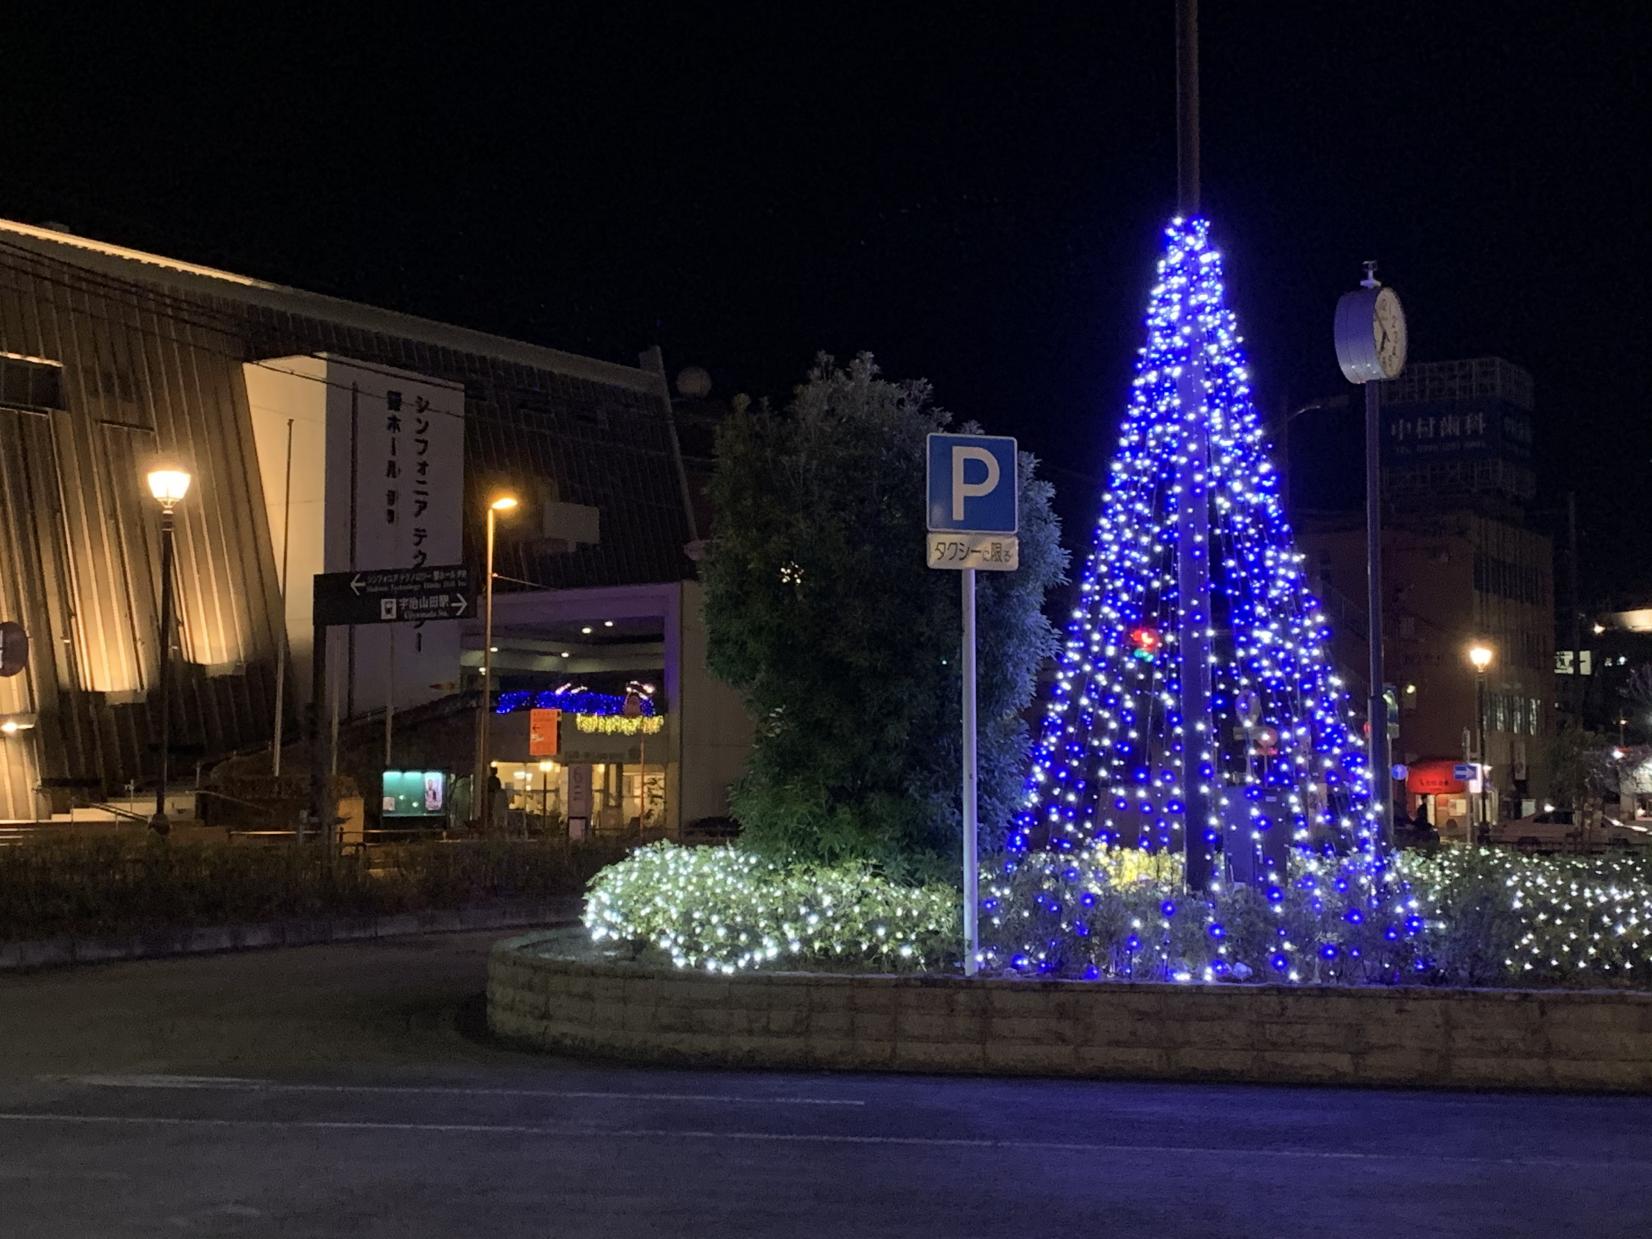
320	756
972	492
972	899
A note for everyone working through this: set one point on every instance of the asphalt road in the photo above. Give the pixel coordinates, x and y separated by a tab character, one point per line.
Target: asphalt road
346	1091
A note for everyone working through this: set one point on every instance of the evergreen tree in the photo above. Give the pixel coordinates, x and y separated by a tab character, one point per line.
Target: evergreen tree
845	646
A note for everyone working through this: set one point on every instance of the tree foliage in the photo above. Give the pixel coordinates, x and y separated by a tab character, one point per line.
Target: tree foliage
821	612
1578	772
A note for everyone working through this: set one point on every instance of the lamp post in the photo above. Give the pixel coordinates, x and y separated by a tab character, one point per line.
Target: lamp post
1480	655
168	484
481	793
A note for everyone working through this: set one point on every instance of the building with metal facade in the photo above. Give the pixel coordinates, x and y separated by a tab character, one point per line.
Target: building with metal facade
110	356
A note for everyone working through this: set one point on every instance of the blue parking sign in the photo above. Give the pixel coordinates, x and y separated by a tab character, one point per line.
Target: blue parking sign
973	487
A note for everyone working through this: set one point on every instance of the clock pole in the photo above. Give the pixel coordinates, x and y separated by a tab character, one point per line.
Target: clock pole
1377	712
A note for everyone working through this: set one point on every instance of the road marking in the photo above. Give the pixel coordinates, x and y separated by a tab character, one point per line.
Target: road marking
243	1084
586	1133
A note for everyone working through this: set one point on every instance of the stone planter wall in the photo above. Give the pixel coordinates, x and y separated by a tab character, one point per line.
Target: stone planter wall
1272	1034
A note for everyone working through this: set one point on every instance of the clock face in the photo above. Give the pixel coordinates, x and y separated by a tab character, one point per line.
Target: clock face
1388	330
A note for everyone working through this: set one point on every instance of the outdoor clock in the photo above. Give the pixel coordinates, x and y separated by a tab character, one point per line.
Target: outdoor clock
1370	333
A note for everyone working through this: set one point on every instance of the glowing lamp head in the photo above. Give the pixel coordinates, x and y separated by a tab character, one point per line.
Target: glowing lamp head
1480	654
10	727
546	767
502	503
168	484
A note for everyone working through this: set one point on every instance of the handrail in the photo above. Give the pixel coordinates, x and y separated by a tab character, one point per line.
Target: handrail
128	814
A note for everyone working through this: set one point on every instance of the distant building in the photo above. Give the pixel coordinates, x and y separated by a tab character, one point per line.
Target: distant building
1458	432
324	435
1462	561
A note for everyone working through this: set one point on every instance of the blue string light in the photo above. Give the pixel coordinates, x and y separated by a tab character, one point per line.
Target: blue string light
575	702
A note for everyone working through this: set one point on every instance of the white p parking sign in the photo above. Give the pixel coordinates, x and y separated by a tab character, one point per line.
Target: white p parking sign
973	499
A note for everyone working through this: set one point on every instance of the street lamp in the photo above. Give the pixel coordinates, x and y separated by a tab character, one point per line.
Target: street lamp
481	794
1480	655
168	484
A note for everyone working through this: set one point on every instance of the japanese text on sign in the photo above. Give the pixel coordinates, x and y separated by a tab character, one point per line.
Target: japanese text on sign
989	552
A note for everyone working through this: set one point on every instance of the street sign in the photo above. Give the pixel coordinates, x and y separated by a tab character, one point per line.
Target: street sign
991	552
1464	772
973	485
972	497
392	595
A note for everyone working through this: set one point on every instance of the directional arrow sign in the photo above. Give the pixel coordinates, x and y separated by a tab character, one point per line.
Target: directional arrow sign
392	595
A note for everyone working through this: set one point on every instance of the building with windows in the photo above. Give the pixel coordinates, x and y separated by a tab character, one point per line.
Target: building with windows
323	436
1457	432
1463	561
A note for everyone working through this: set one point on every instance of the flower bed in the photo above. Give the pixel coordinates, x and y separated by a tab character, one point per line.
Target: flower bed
1481	917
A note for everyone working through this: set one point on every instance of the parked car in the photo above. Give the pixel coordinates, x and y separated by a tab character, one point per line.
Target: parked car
1637	833
1552	829
1546	830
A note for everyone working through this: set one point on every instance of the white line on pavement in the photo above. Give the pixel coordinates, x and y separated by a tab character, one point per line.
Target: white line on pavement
945	1142
241	1084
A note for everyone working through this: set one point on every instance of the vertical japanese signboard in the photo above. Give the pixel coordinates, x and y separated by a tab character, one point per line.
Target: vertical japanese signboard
403	435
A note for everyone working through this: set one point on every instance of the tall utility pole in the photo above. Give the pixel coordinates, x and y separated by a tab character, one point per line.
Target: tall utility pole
1193	641
1578	693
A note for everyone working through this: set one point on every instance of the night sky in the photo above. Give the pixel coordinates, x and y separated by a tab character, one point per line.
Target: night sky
974	195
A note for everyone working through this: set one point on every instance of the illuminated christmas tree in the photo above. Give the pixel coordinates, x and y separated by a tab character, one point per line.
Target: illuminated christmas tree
1195	711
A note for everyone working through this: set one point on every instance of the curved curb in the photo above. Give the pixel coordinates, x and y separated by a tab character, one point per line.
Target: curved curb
542	995
162	943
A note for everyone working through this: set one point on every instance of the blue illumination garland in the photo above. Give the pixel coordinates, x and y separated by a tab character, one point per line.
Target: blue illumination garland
575	702
1275	778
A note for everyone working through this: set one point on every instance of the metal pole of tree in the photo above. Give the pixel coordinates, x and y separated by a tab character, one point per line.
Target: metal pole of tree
972	898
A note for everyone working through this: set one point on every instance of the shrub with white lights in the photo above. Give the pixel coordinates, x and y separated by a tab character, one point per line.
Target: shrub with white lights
1502	918
725	909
